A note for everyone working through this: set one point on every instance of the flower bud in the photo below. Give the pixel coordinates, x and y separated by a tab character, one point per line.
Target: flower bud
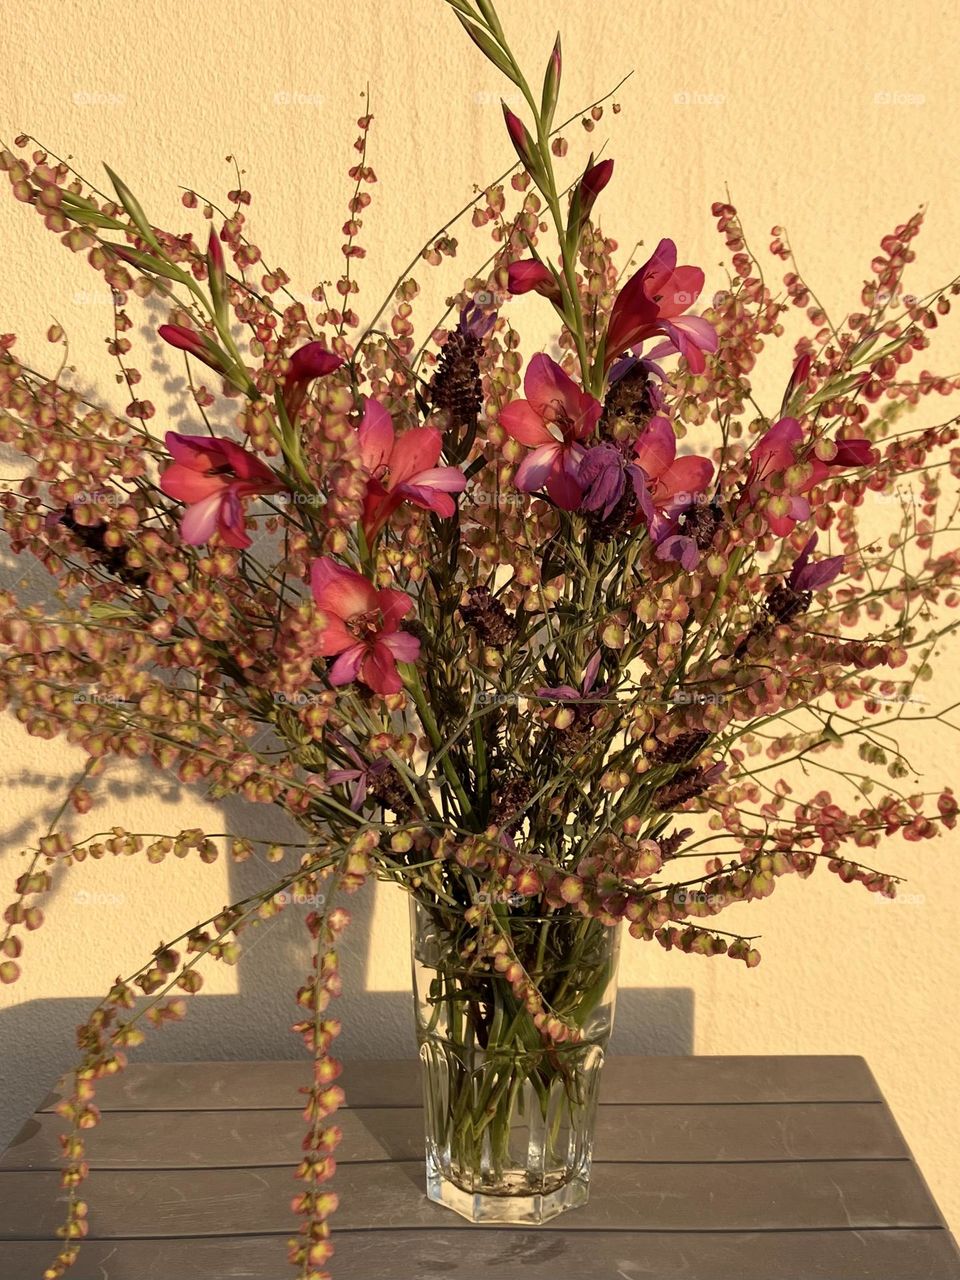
529	275
551	85
217	275
194	344
309	362
521	140
595	178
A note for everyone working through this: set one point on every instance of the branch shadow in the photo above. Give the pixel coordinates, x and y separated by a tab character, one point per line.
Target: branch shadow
37	1037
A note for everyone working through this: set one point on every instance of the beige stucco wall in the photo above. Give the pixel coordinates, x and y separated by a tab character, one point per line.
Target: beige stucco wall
836	120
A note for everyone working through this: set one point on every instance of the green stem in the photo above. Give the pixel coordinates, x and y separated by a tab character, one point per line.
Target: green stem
428	720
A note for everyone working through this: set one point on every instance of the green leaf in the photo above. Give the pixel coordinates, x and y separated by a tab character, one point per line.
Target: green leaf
133	208
836	387
487	46
147	263
84	211
487	9
106	612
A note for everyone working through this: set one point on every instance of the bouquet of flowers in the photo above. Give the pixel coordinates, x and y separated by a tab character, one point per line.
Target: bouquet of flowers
536	639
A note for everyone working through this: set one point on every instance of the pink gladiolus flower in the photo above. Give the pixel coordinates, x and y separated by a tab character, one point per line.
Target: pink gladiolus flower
650	303
688	336
667	488
674	481
552	422
530	275
212	476
403	469
361	627
775	451
309	362
678	486
781	448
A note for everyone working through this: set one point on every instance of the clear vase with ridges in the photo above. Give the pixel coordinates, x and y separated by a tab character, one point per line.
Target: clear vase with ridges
509	1116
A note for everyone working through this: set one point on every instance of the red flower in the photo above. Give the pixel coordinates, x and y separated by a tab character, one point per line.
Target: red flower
649	304
361	627
403	469
555	418
211	476
674	481
781	448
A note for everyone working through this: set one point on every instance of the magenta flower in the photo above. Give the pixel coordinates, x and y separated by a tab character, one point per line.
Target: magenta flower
212	476
677	486
553	421
403	469
666	487
361	627
652	302
779	449
798	380
688	336
520	138
671	537
358	775
309	362
853	453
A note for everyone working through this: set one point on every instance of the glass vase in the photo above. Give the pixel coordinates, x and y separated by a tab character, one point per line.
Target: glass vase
509	1117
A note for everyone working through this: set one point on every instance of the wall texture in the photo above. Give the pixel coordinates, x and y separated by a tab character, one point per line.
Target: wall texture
830	119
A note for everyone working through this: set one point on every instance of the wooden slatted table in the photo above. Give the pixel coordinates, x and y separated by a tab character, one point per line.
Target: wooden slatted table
787	1168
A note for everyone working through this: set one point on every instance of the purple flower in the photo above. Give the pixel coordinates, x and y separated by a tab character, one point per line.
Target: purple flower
674	545
475	322
685	529
605	472
566	692
805	576
636	362
362	775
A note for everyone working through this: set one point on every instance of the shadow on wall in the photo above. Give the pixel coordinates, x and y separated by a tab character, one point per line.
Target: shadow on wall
37	1037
